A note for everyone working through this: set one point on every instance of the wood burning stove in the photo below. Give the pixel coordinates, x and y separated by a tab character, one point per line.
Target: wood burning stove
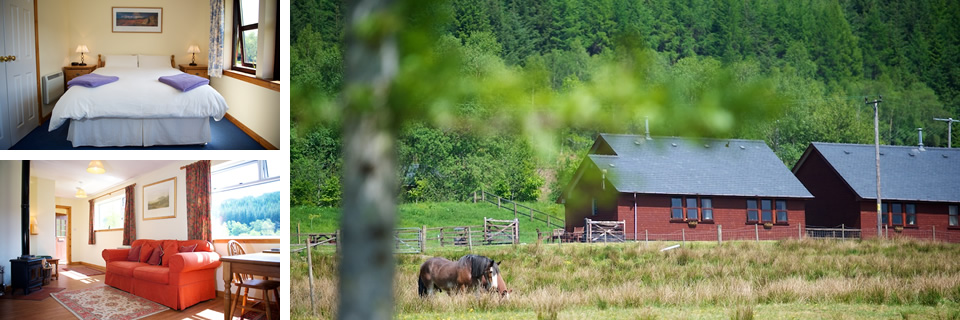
26	271
26	274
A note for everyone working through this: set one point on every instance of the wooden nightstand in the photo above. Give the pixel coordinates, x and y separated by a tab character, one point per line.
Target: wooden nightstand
70	72
197	70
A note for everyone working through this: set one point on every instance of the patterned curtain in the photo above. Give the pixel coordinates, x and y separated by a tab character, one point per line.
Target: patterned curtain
198	201
93	236
129	216
215	58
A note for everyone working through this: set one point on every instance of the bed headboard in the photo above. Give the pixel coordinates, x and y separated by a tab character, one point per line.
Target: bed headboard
100	62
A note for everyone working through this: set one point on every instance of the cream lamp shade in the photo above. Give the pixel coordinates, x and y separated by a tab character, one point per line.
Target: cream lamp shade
96	167
193	49
33	225
82	49
80	193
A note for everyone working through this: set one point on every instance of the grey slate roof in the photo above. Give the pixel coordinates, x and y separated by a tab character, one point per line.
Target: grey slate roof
728	167
931	175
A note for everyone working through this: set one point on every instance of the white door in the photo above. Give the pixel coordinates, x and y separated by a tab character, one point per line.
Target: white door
21	72
4	128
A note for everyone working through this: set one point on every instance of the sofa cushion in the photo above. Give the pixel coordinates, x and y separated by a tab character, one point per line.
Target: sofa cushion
155	274
156	256
134	254
147	250
124	268
189	248
170	247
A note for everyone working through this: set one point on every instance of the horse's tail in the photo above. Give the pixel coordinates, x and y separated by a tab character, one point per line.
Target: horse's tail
421	288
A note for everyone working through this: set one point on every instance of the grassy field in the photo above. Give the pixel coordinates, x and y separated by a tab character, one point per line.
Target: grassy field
430	214
790	279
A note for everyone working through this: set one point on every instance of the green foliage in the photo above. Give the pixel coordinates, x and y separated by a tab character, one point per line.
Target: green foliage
695	67
251	216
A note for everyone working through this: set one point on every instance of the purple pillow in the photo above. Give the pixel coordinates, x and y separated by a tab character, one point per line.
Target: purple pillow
155	258
134	254
91	80
188	248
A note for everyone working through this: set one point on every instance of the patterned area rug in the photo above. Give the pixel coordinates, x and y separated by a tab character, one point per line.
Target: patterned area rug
39	295
81	270
107	303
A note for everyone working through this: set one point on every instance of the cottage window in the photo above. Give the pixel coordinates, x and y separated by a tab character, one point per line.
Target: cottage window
885	215
752	210
676	208
781	211
896	215
245	199
707	208
954	216
911	210
766	212
691	208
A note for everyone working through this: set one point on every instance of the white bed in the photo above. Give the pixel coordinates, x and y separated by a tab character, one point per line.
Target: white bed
137	110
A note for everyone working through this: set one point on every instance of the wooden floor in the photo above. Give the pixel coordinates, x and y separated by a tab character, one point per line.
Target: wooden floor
50	309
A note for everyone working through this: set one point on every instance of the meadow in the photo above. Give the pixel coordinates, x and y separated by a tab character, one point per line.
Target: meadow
895	279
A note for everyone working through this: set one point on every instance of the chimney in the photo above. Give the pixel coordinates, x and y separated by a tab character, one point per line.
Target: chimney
920	134
25	208
646	123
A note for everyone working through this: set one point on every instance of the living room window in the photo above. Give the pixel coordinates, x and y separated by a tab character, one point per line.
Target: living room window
245	200
109	213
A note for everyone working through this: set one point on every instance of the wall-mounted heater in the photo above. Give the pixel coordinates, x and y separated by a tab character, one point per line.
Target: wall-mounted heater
52	87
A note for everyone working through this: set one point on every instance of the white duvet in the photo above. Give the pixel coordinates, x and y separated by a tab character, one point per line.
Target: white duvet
137	95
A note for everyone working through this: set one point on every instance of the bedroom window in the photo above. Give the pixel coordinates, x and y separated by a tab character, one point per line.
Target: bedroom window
245	200
109	213
246	16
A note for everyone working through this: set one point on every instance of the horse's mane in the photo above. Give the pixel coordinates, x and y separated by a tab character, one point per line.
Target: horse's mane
478	265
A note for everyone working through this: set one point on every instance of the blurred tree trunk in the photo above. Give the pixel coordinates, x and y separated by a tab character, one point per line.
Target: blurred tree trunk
369	194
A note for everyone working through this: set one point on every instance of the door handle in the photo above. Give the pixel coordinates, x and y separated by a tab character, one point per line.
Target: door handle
13	58
3	59
8	58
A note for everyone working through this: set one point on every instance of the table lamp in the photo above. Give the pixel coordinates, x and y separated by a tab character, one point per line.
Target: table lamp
82	49
194	49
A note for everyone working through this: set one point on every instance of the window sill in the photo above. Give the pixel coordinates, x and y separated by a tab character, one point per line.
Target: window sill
781	224
706	222
249	78
953	228
752	222
678	221
249	240
104	230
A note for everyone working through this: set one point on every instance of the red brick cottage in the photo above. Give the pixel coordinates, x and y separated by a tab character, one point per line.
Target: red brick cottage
920	189
665	187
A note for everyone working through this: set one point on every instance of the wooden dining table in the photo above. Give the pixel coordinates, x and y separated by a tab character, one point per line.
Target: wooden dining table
260	264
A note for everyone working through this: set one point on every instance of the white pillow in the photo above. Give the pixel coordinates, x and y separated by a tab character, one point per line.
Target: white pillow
154	62
125	61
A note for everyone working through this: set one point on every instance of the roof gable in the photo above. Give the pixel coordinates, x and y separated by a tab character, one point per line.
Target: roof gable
905	172
665	165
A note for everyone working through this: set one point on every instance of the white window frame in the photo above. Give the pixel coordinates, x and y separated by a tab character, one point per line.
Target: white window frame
264	178
97	216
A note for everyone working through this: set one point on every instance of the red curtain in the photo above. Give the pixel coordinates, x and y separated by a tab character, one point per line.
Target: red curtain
93	236
129	216
198	201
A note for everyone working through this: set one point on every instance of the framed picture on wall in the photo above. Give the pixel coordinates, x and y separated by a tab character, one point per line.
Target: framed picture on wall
132	19
160	199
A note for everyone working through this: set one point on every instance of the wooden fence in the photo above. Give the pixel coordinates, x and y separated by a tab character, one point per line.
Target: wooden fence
518	209
605	231
500	231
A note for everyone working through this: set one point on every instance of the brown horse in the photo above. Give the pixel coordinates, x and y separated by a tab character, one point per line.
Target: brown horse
468	273
498	284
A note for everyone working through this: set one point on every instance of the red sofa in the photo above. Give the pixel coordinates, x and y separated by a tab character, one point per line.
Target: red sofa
180	281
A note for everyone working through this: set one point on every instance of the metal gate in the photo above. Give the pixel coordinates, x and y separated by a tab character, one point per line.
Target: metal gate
407	240
605	231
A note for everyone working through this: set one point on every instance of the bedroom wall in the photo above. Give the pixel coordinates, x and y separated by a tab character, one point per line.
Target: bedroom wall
9	214
42	206
256	107
65	24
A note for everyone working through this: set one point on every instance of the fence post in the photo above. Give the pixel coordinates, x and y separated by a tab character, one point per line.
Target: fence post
474	197
298	233
338	241
683	237
756	231
843	231
469	239
423	237
587	225
313	306
719	234
441	237
498	202
516	230
483	195
646	238
799	232
531	215
514	210
550	226
934	233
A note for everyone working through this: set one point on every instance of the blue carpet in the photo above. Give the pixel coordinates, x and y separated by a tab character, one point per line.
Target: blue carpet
226	136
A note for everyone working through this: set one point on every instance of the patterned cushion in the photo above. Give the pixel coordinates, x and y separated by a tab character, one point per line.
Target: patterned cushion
189	248
156	256
134	254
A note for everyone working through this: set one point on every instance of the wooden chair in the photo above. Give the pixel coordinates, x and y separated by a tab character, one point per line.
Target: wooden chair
247	282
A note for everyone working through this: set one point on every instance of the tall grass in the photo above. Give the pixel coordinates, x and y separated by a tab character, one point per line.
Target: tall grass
548	279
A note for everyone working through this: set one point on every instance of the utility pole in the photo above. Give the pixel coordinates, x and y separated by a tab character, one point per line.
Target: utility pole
949	122
876	142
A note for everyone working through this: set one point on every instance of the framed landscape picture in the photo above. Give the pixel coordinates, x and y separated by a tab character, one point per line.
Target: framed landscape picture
137	19
160	199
